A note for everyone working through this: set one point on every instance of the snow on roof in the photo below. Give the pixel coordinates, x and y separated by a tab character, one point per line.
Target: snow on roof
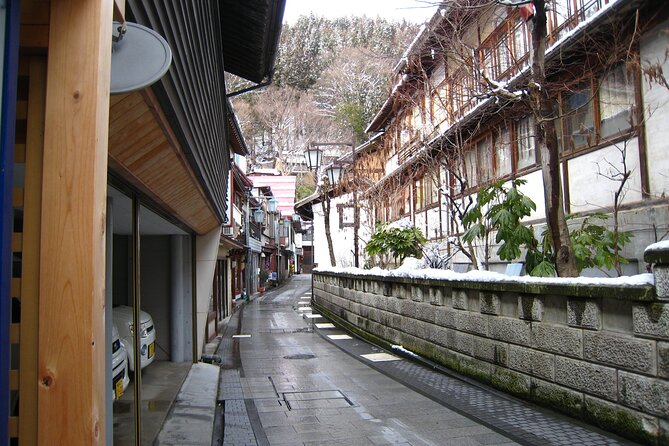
489	276
283	188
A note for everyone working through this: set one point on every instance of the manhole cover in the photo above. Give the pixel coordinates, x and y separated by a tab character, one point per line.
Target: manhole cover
300	356
327	399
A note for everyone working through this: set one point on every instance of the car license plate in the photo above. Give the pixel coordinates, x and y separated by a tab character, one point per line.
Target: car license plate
118	388
152	349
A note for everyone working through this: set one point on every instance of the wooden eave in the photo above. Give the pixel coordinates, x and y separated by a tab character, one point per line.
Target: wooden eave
241	181
237	143
144	151
251	30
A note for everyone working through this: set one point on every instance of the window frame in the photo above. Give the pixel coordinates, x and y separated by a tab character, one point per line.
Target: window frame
527	136
594	92
426	195
498	144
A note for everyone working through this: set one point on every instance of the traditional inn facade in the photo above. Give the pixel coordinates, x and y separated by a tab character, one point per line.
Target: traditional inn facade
458	116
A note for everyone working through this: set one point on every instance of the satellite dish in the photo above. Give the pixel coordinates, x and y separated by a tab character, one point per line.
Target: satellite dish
140	56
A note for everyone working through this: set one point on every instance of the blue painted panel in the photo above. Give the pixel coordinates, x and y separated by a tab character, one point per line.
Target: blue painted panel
8	118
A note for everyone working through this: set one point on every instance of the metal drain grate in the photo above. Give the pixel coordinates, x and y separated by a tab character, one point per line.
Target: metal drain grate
300	356
318	399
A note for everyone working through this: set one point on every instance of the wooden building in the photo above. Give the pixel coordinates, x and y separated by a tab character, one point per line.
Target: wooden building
459	118
114	200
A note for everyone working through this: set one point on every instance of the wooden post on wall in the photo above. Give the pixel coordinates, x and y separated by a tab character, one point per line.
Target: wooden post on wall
71	360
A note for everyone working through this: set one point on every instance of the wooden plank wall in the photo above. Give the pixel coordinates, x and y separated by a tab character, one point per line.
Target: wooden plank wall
34	34
143	150
26	240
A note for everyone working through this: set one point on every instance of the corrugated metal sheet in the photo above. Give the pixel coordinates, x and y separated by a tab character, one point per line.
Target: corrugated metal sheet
283	188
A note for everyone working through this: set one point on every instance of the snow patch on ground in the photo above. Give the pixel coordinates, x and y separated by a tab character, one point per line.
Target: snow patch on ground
399	348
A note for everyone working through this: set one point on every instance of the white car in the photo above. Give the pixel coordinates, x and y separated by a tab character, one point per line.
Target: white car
120	377
122	316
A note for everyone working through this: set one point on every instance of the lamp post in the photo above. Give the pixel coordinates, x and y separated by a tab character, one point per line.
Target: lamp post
313	156
260	215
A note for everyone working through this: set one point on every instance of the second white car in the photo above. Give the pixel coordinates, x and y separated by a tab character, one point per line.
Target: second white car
122	316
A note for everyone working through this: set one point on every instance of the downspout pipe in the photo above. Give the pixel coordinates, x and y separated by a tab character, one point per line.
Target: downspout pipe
252	88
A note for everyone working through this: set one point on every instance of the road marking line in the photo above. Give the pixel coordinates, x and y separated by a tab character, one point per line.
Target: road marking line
380	357
325	325
339	337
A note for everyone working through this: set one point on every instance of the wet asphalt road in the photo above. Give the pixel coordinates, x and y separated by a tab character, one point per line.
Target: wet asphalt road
287	379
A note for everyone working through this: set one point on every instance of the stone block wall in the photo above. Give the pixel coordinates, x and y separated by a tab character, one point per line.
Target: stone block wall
599	353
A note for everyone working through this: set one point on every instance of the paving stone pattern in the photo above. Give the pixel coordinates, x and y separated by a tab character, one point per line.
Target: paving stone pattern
521	421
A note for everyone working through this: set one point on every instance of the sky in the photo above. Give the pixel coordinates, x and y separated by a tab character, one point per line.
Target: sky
417	11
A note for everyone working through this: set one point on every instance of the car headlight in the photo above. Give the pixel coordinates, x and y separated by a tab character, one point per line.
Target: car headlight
144	329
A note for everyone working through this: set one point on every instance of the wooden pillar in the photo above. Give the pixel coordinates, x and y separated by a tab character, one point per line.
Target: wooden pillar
71	359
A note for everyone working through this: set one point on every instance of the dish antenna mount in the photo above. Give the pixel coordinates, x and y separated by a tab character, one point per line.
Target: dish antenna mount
140	57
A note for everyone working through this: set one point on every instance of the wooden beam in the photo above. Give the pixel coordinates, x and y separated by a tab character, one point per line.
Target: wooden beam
32	201
17	197
15	287
34	13
34	37
119	10
13	380
13	427
14	333
19	153
17	242
71	359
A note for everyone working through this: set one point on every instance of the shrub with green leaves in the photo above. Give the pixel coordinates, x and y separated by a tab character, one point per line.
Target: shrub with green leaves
400	242
499	208
594	245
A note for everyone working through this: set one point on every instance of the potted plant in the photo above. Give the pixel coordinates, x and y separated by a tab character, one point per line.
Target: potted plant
262	280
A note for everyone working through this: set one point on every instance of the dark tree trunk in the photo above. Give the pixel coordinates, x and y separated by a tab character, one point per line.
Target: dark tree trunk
328	235
547	145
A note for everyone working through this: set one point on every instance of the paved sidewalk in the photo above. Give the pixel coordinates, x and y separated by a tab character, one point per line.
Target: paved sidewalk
191	418
291	378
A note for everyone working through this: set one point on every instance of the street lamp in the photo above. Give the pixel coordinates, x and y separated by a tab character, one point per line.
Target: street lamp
272	204
259	215
313	157
334	173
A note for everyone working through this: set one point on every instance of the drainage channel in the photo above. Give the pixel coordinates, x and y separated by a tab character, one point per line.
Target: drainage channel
520	421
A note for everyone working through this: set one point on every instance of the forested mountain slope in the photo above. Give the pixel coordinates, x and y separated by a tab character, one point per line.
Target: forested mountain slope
331	78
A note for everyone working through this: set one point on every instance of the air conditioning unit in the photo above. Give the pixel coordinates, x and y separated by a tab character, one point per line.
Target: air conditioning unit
228	231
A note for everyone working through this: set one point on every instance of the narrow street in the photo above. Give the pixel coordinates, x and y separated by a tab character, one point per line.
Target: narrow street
290	378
